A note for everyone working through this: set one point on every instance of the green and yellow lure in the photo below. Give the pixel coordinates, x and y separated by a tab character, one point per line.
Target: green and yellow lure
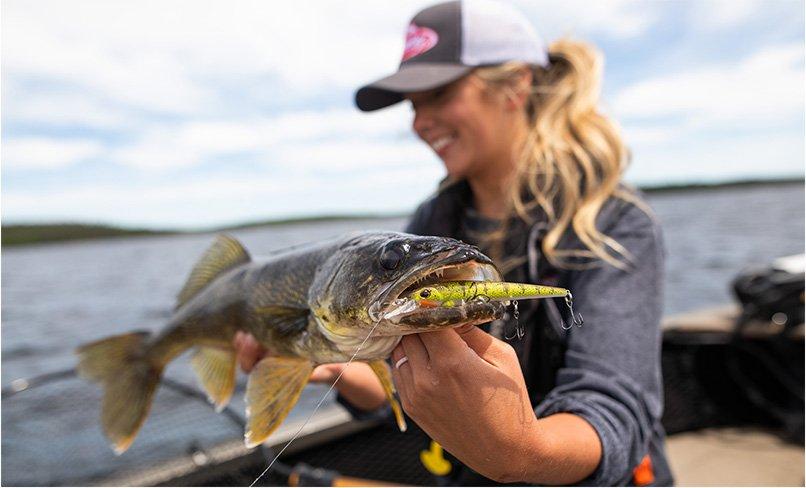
454	293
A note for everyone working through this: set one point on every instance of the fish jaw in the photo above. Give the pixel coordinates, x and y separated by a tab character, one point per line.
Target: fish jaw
386	321
430	319
397	314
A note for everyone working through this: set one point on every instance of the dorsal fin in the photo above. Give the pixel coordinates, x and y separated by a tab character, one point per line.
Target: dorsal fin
225	254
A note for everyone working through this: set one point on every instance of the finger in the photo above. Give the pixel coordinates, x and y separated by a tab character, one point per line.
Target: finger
324	373
489	348
250	352
453	343
237	340
401	374
477	339
442	343
416	352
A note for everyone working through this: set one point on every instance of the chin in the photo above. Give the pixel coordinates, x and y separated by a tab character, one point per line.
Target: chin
456	170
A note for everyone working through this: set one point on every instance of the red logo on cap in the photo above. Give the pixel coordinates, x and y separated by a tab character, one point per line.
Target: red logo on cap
419	40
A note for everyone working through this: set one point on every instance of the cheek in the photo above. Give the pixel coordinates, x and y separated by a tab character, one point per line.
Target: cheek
476	142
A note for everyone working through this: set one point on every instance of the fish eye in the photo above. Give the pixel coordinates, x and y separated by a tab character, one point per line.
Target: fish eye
391	257
425	293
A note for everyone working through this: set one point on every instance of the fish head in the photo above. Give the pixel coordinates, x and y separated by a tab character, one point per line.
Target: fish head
366	281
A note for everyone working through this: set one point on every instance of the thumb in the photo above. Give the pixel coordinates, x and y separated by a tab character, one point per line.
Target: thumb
325	373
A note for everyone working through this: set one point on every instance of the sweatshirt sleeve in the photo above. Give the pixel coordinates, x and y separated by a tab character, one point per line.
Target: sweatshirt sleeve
611	376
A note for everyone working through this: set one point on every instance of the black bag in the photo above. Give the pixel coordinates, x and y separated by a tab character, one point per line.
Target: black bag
752	375
772	294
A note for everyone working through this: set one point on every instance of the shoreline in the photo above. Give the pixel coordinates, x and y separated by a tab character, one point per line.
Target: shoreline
24	234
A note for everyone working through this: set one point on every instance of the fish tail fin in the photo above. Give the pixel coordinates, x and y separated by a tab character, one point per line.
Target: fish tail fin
129	380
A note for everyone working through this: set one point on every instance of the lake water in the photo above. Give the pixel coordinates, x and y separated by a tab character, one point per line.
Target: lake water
57	296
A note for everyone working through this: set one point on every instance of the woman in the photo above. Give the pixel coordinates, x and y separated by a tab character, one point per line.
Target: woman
533	177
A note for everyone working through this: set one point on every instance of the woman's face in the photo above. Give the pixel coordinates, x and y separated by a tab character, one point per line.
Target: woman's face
468	127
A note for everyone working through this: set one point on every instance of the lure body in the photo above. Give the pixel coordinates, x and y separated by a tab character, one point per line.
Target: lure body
455	293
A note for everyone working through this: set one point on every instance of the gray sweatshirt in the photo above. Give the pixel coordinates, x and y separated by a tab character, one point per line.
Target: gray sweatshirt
609	369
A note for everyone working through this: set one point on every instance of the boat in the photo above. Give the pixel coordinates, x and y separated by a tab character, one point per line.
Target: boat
733	379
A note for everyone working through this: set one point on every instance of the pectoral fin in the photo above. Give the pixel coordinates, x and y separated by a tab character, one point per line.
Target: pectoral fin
381	370
215	368
273	388
285	319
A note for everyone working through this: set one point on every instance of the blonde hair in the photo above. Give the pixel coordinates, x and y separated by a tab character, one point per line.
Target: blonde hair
573	157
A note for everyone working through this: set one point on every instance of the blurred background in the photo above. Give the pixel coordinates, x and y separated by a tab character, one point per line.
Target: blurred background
159	123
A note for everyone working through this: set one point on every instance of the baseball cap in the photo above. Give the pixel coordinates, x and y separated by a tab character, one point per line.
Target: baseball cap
446	41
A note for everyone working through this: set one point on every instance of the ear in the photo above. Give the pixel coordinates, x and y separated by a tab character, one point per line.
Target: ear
518	93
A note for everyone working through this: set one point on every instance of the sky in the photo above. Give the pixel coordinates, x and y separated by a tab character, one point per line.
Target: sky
194	114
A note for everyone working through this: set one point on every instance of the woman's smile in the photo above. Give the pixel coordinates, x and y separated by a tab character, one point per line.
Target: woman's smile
441	144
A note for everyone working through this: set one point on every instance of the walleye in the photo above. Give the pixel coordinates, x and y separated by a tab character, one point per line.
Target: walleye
307	306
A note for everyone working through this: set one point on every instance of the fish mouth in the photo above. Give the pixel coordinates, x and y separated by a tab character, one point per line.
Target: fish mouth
444	267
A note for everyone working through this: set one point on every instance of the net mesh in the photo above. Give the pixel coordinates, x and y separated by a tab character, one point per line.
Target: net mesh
52	435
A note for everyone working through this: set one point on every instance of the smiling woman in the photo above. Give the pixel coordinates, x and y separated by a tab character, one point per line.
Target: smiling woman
534	177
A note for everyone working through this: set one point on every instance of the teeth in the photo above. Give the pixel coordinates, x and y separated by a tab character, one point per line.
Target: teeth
440	143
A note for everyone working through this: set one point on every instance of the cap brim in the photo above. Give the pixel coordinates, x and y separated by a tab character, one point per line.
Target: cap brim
408	79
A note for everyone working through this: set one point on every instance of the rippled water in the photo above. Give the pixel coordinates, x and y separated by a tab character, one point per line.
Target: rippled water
58	296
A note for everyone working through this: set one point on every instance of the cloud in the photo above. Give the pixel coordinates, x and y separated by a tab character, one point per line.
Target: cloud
178	90
762	88
173	57
617	19
298	138
168	57
705	159
358	156
45	110
70	46
37	153
724	14
651	135
204	202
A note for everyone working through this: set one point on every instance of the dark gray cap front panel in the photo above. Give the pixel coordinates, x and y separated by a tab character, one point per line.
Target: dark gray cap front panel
446	20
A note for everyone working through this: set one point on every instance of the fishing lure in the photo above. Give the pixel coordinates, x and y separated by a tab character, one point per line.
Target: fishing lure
456	293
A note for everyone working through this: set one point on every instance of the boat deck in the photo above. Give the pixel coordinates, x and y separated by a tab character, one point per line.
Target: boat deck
734	456
728	455
725	456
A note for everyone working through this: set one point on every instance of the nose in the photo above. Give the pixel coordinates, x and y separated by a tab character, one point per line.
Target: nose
423	121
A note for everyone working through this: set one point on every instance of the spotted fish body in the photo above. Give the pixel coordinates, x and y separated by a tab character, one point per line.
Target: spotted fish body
308	305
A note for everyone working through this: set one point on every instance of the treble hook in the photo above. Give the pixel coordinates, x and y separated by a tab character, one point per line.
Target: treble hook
576	319
519	332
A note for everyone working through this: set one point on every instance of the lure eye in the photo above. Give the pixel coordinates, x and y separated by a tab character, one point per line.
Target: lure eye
425	293
391	257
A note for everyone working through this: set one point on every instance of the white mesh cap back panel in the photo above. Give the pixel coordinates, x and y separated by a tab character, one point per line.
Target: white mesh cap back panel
495	32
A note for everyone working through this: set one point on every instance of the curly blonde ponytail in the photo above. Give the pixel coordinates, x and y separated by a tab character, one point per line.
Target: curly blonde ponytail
573	156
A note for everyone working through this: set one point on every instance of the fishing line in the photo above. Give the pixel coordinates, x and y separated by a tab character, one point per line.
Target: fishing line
277	456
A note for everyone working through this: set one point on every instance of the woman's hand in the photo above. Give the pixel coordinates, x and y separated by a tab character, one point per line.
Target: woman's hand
358	384
249	352
465	389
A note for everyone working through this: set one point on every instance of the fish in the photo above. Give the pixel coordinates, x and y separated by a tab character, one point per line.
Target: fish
309	305
457	293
